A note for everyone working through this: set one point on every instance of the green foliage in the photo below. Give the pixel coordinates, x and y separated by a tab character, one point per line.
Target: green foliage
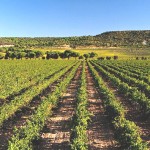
81	57
86	56
136	90
81	118
1	56
133	39
92	54
127	133
53	55
9	109
24	136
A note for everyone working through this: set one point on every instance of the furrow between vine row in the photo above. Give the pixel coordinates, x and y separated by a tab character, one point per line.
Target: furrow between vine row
23	137
126	132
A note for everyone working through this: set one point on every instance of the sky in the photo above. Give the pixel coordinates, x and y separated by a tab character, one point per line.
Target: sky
61	18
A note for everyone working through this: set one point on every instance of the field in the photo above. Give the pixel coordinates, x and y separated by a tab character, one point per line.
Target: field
123	53
72	104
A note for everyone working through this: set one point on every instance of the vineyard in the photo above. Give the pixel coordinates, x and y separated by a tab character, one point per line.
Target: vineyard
74	105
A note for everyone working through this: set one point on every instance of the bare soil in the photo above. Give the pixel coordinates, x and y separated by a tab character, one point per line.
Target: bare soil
100	134
57	131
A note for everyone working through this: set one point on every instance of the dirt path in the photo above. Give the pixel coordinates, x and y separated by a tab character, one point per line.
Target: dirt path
56	133
99	131
21	116
132	112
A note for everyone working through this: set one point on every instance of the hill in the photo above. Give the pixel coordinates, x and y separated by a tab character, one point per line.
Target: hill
125	38
134	39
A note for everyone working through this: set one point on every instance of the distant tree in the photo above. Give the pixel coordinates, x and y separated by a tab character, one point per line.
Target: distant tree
48	56
62	55
92	54
86	56
115	57
53	55
27	51
20	55
31	55
7	55
108	58
38	54
81	57
75	54
101	58
144	58
12	55
67	53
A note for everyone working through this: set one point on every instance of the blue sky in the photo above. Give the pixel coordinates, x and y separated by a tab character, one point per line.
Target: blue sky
36	18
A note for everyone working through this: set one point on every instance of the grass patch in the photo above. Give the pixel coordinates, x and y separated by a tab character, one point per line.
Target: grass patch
121	52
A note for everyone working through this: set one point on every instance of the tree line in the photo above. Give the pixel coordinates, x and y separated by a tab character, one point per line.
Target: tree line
11	53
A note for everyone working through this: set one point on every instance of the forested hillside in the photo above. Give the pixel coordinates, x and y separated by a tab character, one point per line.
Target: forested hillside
125	38
135	39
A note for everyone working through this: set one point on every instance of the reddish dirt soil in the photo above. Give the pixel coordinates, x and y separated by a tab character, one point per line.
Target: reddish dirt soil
133	113
56	133
100	134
